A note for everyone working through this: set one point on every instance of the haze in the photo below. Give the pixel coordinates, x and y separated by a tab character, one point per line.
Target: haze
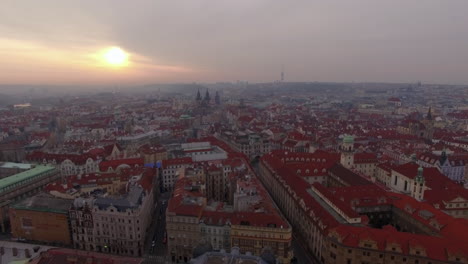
56	41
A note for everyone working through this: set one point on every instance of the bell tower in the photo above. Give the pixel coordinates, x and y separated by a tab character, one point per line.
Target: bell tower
347	152
419	185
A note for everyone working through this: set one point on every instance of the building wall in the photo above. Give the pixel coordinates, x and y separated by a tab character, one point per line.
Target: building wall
218	236
40	226
183	234
367	253
254	239
310	232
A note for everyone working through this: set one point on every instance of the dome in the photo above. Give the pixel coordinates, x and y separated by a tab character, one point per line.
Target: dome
348	139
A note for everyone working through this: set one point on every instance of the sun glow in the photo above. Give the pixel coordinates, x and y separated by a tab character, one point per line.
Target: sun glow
115	56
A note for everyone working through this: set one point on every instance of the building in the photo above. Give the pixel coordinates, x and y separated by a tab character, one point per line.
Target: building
11	168
42	218
452	166
22	185
118	223
361	162
70	256
348	219
226	258
67	164
419	128
225	212
170	171
153	154
203	151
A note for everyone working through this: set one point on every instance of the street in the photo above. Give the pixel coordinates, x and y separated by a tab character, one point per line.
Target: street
155	248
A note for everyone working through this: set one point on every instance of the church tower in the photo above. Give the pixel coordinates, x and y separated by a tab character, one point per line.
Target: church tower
347	152
429	125
207	97
198	96
419	185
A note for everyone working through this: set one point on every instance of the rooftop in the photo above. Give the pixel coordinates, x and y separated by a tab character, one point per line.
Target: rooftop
38	170
44	202
12	165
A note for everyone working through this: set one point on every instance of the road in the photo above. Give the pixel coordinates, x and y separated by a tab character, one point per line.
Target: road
301	254
157	253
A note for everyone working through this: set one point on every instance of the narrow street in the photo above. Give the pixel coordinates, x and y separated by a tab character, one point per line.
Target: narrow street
155	248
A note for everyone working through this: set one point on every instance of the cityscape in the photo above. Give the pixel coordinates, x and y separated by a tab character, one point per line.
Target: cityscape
154	132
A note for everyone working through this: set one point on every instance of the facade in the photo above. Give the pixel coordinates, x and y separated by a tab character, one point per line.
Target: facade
67	164
251	145
41	218
226	258
170	171
65	255
115	224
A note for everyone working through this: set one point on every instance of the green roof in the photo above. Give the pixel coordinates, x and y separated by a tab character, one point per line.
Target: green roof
39	169
348	139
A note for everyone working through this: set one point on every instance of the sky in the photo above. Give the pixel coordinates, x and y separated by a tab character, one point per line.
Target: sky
62	41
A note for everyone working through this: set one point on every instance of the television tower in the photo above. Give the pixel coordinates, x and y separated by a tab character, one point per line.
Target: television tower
282	72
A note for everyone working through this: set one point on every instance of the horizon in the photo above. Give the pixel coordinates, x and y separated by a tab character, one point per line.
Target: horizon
90	43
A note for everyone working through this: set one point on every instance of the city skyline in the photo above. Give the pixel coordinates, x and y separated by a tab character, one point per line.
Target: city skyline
62	42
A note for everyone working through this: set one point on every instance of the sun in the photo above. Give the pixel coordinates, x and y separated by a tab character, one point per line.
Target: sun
115	56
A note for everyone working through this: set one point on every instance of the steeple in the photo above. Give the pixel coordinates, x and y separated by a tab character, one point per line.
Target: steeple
207	96
198	96
443	157
429	114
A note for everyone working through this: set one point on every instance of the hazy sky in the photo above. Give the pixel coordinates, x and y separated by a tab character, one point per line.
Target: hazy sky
60	41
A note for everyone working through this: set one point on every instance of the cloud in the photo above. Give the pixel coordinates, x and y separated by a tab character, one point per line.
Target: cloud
323	40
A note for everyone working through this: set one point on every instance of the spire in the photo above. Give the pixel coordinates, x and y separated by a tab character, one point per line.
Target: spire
443	157
429	114
207	96
198	95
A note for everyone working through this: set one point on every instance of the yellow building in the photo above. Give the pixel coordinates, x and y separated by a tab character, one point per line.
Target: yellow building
259	237
41	218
